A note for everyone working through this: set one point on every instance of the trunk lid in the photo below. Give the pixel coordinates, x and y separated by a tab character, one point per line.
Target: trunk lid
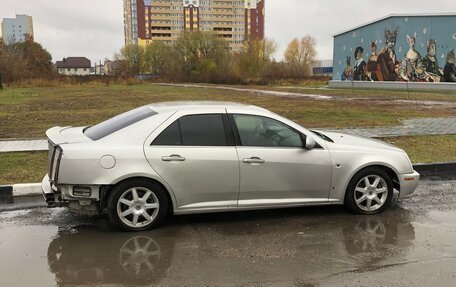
63	135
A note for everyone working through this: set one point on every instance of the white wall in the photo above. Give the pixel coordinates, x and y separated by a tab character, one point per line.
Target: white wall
74	71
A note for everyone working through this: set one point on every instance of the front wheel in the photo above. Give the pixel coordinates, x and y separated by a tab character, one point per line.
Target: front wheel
137	205
370	191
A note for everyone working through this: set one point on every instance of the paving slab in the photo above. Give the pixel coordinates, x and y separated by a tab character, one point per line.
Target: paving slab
23	145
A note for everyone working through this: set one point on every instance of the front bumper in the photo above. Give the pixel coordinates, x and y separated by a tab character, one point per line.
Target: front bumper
408	184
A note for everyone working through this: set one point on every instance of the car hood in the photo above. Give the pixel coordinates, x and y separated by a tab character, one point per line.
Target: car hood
357	141
62	135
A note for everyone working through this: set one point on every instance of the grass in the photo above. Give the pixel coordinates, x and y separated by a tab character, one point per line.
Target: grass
23	167
368	93
427	149
30	111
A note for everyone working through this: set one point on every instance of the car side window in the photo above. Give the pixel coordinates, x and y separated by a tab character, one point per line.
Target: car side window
170	136
266	132
195	130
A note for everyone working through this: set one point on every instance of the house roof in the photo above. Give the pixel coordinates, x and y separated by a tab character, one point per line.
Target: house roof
396	15
74	62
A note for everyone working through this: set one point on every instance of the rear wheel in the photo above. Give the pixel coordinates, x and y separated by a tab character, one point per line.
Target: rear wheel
370	191
137	205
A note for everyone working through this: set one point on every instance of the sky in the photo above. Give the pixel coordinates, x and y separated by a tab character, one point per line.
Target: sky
94	28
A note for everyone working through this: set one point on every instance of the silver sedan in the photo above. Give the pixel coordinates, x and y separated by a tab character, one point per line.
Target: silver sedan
195	157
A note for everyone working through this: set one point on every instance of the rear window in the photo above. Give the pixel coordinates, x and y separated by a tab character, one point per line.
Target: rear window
119	122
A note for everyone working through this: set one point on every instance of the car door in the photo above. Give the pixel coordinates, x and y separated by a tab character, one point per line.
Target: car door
275	168
195	155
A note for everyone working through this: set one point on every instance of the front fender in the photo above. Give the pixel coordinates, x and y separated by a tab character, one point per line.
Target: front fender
345	167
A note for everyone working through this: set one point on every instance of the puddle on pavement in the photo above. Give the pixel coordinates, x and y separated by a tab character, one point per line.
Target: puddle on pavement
252	249
290	247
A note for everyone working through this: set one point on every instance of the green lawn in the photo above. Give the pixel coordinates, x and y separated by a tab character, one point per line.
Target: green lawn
28	112
427	149
31	111
322	89
24	167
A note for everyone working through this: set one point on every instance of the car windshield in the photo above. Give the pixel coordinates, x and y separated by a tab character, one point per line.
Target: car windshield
119	122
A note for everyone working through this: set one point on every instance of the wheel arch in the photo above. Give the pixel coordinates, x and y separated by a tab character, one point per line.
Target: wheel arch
391	171
168	192
348	194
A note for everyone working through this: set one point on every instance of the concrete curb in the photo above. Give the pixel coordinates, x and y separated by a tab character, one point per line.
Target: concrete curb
427	171
442	170
9	192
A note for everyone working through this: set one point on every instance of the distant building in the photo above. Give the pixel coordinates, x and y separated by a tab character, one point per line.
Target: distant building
74	66
104	69
17	29
322	68
146	21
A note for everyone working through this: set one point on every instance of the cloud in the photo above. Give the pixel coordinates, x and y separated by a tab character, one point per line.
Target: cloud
94	28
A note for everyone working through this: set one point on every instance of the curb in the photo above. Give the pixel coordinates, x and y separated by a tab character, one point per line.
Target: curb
441	171
9	192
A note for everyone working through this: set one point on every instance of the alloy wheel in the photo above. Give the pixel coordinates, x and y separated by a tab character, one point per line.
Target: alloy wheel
371	193
138	207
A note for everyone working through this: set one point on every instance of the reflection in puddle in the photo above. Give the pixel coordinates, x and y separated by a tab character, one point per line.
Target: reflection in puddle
212	250
139	255
86	255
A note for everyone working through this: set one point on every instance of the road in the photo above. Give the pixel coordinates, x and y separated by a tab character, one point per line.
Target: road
412	244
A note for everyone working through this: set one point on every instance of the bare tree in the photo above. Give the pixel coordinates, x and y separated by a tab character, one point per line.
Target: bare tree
255	57
300	54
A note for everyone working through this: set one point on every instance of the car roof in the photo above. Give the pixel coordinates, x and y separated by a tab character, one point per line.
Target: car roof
197	105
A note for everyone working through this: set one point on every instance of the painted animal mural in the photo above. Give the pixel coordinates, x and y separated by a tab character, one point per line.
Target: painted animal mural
359	70
449	71
411	69
387	61
384	66
372	70
431	63
347	75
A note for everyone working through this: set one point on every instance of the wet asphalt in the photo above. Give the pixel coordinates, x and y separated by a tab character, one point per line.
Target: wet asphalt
411	244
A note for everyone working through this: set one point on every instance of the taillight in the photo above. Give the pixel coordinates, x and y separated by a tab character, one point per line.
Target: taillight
55	163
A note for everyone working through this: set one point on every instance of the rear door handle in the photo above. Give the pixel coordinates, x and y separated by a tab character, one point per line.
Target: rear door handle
173	157
254	160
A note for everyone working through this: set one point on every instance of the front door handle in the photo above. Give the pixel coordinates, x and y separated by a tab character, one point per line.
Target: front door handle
256	160
173	157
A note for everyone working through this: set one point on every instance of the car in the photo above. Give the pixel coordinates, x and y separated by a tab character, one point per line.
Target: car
201	157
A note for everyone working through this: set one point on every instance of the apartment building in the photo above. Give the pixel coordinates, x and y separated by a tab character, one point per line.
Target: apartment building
17	29
163	20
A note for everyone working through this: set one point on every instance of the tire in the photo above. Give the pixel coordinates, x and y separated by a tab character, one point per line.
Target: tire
137	205
372	198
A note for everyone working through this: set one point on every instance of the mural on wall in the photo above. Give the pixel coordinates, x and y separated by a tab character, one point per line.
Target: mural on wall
383	64
347	75
449	71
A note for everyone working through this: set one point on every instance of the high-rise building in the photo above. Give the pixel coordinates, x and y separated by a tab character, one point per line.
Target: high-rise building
17	29
163	20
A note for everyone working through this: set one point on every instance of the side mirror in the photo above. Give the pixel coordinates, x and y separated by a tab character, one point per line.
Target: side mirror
309	143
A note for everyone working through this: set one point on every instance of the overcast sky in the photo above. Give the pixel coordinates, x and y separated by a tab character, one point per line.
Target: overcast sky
94	28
